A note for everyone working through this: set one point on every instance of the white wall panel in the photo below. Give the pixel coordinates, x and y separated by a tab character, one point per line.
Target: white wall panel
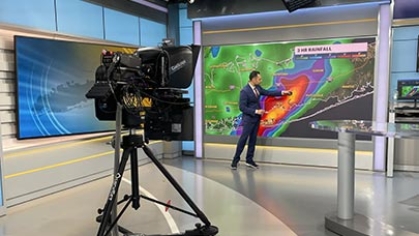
6	99
8	128
6	86
6	55
7	65
6	40
5	75
7	116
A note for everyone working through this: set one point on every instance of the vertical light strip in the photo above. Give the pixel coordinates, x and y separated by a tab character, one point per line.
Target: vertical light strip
391	116
197	40
382	80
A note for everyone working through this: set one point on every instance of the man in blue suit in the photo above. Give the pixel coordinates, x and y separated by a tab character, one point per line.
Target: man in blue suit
250	107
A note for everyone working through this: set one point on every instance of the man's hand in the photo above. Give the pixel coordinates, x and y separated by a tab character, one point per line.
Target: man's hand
286	92
260	111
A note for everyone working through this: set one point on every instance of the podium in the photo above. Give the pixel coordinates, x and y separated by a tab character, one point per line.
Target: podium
344	221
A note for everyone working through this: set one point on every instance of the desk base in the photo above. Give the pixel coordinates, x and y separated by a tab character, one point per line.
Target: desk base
361	225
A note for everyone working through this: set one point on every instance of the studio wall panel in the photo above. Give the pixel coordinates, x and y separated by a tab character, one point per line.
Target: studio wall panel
152	33
122	27
404	58
80	18
185	35
7	116
184	21
39	14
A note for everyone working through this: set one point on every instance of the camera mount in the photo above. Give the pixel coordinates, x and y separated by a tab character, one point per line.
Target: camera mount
130	144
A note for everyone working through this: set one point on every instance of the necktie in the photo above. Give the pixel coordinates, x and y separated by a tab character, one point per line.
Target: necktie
256	92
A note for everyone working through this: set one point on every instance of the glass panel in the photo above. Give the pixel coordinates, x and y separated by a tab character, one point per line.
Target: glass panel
122	27
79	18
152	33
39	14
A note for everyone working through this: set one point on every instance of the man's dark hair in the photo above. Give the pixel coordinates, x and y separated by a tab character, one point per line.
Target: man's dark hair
253	74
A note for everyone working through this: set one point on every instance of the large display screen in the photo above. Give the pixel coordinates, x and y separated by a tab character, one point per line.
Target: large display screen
53	77
330	79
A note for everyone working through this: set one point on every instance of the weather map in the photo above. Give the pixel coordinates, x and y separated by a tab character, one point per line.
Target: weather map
328	78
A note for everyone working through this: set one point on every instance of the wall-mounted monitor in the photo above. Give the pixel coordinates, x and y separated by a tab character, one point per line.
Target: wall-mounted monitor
293	5
52	78
408	89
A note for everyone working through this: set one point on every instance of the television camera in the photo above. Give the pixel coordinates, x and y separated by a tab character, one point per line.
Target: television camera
149	85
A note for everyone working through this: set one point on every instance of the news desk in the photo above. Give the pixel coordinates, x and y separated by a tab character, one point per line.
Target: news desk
345	221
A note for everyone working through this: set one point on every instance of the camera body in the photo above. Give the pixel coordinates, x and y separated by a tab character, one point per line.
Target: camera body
149	85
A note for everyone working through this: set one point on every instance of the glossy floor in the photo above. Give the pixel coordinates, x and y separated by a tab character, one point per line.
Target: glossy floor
273	200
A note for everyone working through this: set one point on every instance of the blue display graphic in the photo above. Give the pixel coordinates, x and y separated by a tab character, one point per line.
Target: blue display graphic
52	79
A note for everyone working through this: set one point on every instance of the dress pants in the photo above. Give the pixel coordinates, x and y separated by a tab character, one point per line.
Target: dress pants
250	131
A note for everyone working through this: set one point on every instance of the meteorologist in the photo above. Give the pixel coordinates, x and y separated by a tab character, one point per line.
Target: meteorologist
250	107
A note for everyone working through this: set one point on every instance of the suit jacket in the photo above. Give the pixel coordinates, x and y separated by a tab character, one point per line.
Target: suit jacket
249	103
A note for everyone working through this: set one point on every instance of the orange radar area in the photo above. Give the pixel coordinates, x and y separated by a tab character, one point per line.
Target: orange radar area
278	108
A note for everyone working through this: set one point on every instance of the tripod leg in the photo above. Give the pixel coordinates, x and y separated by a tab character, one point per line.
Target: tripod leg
134	179
178	188
114	189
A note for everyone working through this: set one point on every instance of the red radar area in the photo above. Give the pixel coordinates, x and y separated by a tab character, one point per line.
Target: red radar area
278	108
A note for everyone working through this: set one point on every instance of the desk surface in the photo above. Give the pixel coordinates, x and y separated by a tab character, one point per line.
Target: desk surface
364	127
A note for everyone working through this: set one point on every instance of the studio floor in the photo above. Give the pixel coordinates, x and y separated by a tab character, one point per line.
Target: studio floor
273	200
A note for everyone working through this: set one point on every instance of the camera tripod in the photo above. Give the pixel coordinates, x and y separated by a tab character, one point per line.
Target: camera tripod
130	145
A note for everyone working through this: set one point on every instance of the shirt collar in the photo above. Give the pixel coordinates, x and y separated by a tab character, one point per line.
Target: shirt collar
252	86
